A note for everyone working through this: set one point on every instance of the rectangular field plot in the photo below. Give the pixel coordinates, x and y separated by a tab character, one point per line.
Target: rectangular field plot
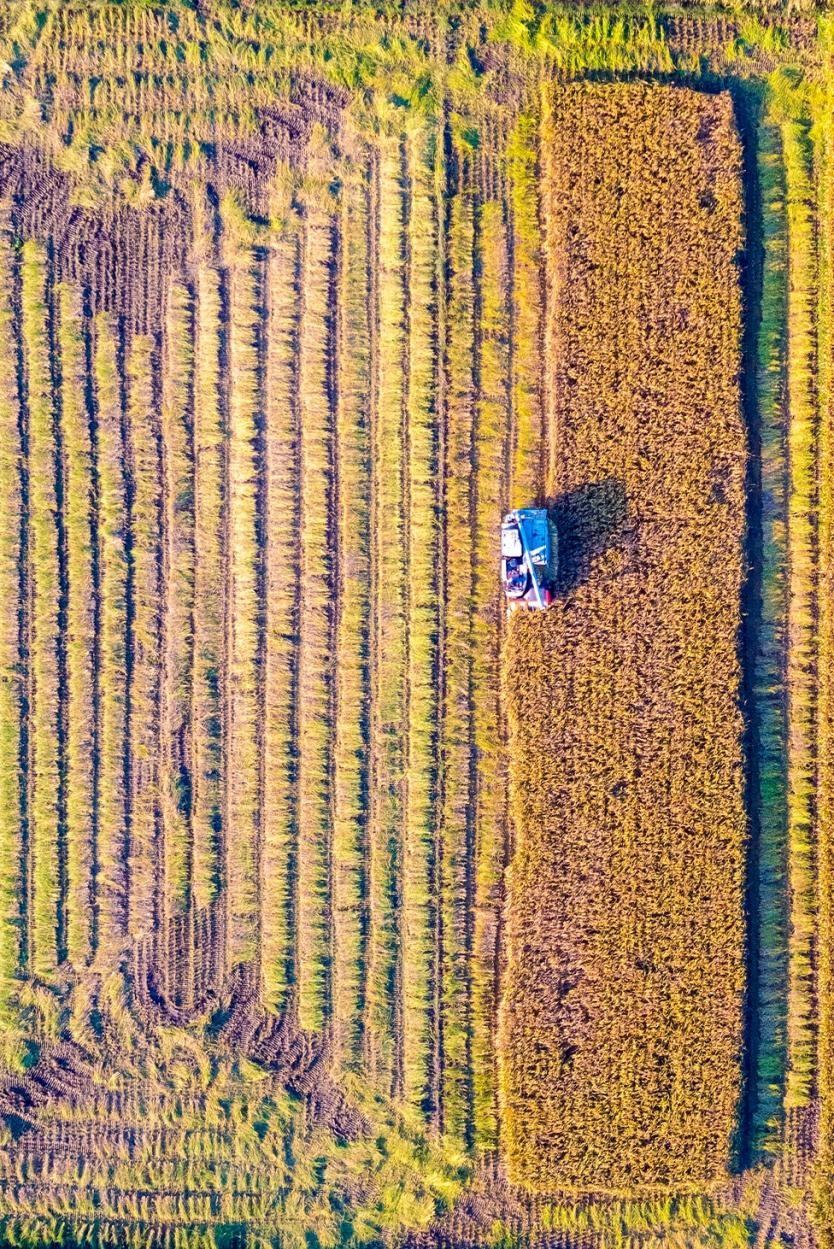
297	301
622	1016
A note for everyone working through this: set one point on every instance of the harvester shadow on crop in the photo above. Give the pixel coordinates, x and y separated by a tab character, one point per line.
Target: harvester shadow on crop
588	520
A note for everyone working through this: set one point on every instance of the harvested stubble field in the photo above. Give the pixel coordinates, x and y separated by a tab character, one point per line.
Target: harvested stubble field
622	1023
295	302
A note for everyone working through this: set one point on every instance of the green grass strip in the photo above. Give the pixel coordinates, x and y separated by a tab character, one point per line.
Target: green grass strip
768	687
802	622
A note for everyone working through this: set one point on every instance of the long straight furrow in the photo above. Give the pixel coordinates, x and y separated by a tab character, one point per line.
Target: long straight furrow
352	677
802	613
279	853
388	645
44	638
444	179
243	776
81	627
145	454
419	901
112	798
175	753
209	514
12	691
457	823
492	429
316	625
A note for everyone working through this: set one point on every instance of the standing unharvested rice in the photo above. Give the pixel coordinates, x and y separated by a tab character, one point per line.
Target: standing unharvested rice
621	1026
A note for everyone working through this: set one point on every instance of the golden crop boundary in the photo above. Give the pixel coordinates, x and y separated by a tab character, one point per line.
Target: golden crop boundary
622	1023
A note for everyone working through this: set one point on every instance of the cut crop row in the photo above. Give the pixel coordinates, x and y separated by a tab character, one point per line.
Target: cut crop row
388	639
81	627
177	674
175	762
113	526
209	590
419	953
44	636
243	642
457	827
12	672
492	433
352	676
315	632
280	831
145	690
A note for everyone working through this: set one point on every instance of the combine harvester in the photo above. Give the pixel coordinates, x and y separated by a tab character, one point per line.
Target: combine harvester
529	558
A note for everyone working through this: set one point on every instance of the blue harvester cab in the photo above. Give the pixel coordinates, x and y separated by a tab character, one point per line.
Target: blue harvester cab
529	554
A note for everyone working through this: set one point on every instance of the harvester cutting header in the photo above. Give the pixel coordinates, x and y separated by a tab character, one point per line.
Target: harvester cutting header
529	558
